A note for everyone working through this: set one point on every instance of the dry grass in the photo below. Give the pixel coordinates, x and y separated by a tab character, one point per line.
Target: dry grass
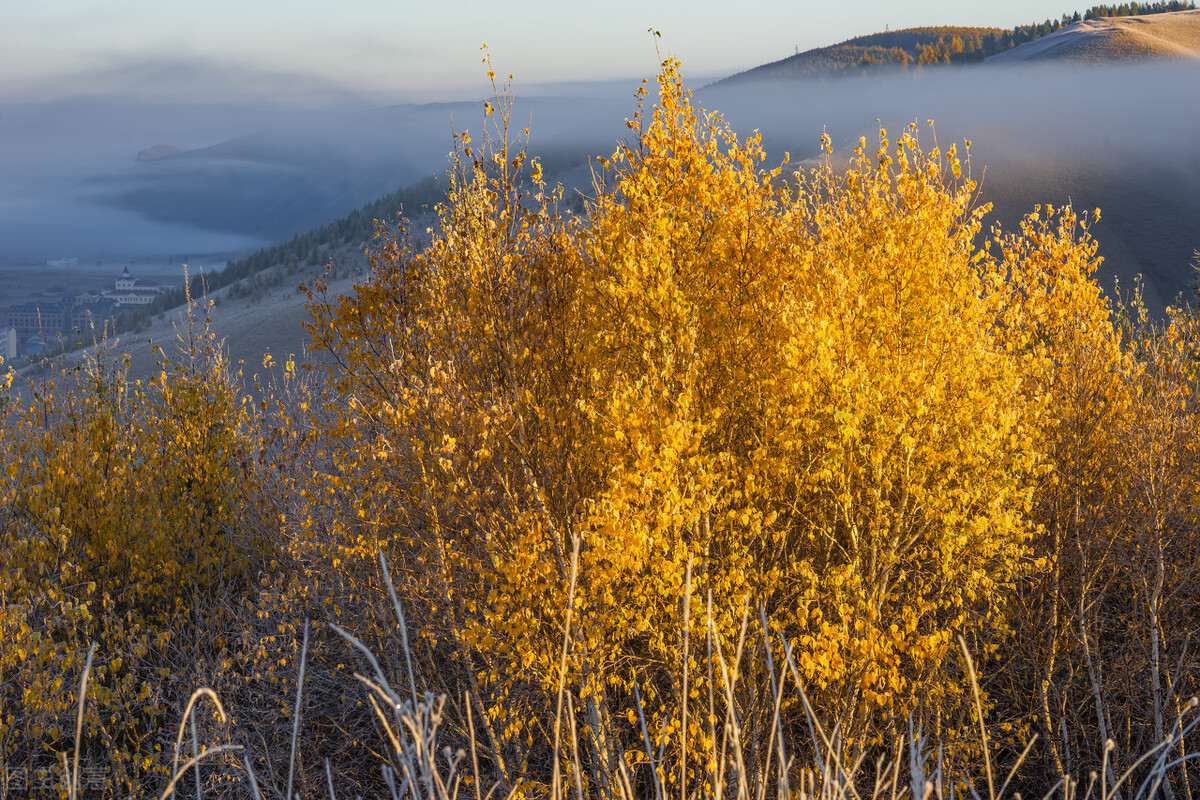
414	765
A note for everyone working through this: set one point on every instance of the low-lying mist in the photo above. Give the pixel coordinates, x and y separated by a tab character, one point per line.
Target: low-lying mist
49	150
112	177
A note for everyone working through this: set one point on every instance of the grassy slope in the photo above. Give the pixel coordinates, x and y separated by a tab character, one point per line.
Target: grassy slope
1114	39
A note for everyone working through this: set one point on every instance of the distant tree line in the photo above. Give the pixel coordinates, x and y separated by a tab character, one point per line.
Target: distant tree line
927	46
1137	9
317	245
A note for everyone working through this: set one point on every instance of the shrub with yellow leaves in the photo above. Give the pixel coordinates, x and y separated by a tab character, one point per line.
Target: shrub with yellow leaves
128	521
734	391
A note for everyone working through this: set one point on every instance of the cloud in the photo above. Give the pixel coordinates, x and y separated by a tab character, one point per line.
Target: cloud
188	79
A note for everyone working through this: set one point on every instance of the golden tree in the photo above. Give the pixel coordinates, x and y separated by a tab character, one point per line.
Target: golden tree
794	395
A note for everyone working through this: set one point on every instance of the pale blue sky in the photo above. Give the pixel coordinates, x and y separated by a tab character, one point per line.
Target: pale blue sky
394	51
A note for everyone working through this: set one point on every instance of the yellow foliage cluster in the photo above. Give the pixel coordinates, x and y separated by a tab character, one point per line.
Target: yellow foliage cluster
807	393
125	524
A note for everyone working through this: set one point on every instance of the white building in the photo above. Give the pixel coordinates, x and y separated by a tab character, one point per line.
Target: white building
132	292
8	343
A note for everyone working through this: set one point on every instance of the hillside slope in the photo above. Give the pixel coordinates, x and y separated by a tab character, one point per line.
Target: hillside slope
891	48
1114	39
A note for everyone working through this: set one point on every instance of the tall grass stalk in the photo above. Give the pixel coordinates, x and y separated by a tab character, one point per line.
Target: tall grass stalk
416	767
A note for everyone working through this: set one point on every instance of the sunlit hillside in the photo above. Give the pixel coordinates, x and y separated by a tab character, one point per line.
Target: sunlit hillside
1115	39
1099	35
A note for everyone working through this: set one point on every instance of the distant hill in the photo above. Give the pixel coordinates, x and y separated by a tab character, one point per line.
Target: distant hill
292	177
926	45
1113	39
343	240
285	179
1129	30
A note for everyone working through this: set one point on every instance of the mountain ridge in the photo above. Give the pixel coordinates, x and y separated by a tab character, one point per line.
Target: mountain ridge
1087	38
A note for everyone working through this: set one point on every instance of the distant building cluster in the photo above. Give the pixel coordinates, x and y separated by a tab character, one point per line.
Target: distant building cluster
127	291
26	328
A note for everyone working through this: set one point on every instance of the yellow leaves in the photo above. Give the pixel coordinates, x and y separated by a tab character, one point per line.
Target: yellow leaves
122	496
824	398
